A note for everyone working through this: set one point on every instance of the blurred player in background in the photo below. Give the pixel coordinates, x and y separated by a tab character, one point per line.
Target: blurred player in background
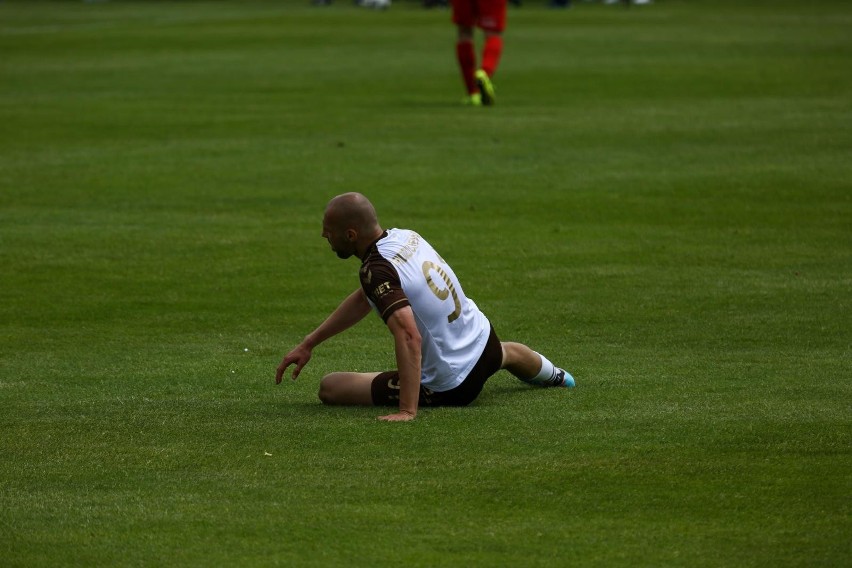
445	346
490	17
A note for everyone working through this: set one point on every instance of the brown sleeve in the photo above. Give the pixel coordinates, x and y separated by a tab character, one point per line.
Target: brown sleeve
382	285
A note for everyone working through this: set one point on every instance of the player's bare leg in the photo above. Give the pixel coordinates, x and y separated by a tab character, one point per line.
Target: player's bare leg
347	389
532	367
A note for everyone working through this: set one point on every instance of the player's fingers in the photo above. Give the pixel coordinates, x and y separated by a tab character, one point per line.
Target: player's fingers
296	372
279	373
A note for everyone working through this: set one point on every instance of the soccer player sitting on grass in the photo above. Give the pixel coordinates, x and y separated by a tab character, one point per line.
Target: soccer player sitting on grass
445	346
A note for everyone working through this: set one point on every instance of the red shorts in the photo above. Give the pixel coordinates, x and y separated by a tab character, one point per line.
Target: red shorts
490	15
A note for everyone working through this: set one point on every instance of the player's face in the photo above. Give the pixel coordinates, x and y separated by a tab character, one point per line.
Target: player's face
338	240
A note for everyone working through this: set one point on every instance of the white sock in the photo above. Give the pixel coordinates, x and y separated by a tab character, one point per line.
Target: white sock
547	371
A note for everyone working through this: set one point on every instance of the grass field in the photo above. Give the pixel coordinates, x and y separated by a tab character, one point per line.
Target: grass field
660	201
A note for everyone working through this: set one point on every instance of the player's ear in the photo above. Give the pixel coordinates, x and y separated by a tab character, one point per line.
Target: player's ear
351	235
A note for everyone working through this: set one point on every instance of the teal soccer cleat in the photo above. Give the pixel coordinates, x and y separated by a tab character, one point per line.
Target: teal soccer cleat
564	379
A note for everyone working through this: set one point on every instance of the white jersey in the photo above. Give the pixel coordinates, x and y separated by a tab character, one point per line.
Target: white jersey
402	269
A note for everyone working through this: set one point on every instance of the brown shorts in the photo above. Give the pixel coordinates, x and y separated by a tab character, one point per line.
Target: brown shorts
385	387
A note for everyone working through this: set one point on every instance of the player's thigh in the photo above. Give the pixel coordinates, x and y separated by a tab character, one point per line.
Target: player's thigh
346	388
464	12
492	15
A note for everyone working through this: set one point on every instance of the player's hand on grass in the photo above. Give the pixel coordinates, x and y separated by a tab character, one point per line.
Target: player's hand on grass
299	356
401	416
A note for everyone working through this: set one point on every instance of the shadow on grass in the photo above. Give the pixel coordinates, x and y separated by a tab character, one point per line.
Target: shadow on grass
492	396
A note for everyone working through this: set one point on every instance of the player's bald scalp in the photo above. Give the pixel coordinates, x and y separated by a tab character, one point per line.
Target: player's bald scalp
352	210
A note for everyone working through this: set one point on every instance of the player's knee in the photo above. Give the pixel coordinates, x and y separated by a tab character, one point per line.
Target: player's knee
327	391
510	353
345	389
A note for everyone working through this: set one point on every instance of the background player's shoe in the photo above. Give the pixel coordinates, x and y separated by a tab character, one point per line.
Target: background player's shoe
486	89
474	99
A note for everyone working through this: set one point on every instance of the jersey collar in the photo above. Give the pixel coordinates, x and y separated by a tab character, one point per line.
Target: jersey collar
373	245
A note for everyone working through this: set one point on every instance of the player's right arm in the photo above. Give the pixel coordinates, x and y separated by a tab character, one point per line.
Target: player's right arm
407	343
350	311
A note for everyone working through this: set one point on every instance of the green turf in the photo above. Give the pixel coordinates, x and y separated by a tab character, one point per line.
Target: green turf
660	201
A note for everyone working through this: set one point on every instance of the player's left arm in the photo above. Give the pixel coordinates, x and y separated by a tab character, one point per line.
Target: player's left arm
407	345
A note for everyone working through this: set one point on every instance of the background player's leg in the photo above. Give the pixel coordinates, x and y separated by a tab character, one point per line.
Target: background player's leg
491	52
349	389
532	367
466	57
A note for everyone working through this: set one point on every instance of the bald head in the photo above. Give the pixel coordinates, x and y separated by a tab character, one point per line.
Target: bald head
353	211
350	224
